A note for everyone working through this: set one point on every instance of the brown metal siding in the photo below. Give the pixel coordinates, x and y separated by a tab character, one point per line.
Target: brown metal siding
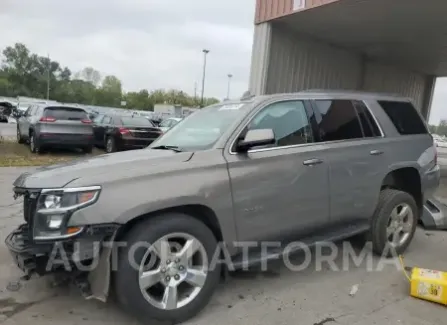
296	63
271	9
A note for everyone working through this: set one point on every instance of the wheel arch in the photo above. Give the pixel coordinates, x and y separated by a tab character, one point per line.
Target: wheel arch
407	179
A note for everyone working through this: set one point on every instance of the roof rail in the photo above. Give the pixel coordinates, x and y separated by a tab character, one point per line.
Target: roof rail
247	95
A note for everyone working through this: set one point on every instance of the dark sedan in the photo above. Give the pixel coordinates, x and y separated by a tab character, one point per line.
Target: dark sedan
115	133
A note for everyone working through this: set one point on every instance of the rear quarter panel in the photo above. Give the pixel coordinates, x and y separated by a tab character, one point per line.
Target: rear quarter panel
402	151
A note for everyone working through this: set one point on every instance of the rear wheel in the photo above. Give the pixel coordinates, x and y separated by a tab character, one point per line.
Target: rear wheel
110	145
170	279
19	136
394	222
34	143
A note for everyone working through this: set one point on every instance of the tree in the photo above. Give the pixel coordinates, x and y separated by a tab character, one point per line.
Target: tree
90	75
139	100
23	73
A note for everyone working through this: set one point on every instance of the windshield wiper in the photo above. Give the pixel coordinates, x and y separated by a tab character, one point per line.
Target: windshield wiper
163	147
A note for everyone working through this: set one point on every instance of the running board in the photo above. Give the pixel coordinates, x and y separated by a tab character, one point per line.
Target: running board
256	257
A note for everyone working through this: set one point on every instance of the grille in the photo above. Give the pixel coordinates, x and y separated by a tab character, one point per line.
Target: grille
29	209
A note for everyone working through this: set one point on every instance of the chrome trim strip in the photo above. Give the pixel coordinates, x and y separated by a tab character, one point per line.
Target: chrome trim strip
58	237
72	189
382	135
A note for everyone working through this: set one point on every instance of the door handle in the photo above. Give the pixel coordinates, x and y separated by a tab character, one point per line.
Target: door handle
312	162
375	152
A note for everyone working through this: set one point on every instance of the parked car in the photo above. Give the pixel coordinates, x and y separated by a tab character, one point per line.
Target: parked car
6	109
165	125
307	167
119	132
46	126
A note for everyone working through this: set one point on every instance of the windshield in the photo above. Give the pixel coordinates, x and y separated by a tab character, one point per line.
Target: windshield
202	129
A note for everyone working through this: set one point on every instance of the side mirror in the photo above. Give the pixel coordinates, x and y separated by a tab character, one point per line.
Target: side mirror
255	138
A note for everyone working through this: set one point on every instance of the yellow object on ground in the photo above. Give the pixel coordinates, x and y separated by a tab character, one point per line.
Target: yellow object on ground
427	284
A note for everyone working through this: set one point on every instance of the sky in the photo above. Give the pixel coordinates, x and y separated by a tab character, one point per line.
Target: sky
149	44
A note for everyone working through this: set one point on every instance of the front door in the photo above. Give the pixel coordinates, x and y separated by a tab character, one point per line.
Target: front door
280	191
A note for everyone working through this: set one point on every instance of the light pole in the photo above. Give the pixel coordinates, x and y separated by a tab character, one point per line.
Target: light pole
205	52
229	82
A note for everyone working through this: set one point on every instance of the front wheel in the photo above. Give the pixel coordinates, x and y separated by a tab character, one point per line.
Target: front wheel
394	222
164	273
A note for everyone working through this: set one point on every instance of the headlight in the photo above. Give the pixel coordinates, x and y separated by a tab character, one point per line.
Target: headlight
55	207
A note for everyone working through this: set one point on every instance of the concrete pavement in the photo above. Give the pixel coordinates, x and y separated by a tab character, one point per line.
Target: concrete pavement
278	297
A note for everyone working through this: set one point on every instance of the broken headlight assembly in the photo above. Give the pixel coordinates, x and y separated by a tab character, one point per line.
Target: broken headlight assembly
55	207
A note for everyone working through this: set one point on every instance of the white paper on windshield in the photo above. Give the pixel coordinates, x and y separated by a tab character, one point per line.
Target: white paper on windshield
230	107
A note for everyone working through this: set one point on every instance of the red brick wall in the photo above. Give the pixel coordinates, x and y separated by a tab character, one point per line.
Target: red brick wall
270	9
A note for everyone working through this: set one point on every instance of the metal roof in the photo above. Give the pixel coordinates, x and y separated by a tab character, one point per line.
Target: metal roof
407	33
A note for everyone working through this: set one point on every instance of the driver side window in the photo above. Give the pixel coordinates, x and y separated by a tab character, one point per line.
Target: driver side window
288	120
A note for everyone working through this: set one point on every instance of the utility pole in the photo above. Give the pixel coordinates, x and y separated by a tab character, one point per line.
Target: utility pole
229	82
205	52
48	77
195	92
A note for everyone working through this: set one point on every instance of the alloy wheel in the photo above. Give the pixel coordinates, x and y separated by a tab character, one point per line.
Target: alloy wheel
400	225
173	271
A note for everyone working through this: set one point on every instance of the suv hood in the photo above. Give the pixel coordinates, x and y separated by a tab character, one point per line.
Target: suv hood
99	168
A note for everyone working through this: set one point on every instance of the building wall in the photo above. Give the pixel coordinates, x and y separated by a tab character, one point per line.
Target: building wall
283	61
297	63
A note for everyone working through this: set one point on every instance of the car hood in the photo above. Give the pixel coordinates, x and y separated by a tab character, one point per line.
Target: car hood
99	168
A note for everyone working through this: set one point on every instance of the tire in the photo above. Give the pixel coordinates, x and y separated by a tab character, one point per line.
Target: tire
126	279
88	149
110	145
19	136
382	222
34	144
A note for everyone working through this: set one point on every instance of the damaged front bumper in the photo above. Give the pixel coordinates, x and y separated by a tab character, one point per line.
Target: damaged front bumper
74	254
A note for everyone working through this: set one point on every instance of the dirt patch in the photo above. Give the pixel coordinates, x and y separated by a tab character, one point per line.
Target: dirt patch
13	154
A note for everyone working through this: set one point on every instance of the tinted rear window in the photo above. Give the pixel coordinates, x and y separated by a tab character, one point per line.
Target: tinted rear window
404	117
136	121
65	113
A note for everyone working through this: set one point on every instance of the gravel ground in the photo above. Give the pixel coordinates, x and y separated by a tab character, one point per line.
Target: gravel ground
280	297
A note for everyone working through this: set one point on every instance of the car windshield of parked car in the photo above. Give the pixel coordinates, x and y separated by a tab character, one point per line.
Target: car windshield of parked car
65	113
202	129
136	121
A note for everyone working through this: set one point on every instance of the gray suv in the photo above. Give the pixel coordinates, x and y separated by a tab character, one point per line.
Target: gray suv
308	167
46	126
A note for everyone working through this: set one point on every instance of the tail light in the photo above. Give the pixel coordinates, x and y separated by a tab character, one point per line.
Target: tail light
47	119
86	121
123	131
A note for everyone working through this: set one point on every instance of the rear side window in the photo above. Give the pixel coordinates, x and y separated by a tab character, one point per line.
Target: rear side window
65	113
367	122
136	121
404	117
339	120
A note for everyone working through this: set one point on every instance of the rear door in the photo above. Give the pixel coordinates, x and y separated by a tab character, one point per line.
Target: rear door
98	129
64	120
355	148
